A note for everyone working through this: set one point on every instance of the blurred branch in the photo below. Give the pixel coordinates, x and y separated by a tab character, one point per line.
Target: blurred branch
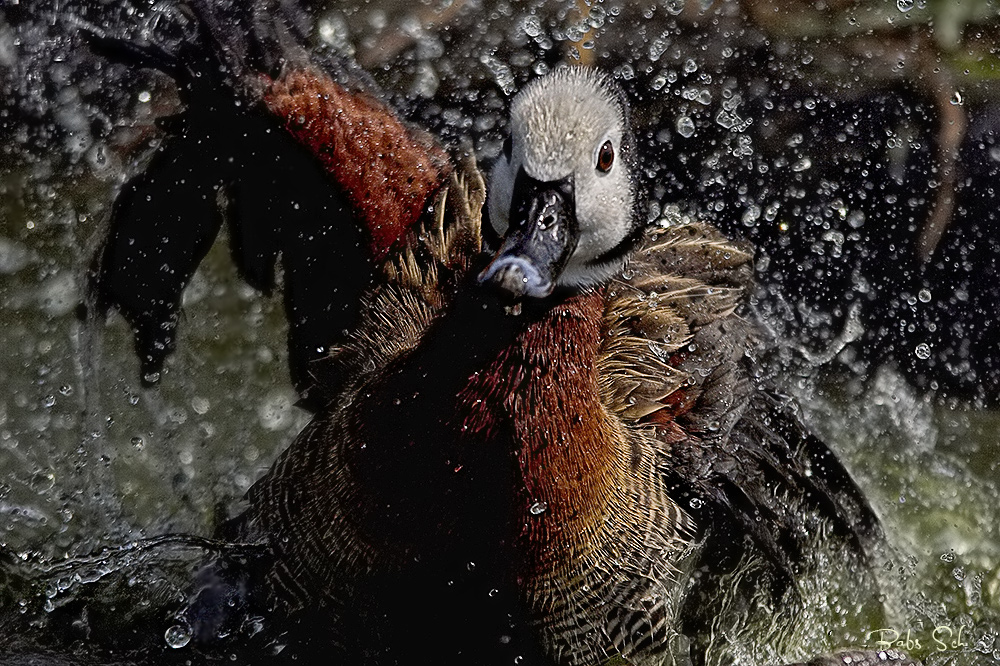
938	85
580	50
385	47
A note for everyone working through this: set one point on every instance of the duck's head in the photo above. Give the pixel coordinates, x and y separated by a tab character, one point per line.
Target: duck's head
562	198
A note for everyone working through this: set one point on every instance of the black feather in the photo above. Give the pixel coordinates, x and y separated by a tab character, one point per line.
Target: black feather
226	157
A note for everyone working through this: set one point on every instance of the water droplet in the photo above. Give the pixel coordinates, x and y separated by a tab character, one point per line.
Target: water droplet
948	557
924	296
690	66
685	127
956	99
43	481
674	7
538	508
696	503
276	412
904	5
923	351
138	443
177	636
255	625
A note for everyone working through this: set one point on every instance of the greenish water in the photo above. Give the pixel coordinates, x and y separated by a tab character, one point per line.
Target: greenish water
89	457
931	472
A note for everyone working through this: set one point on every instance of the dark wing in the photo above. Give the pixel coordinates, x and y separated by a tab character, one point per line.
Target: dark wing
281	145
681	360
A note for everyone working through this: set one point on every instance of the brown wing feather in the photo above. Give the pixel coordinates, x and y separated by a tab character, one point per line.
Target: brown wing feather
679	358
681	283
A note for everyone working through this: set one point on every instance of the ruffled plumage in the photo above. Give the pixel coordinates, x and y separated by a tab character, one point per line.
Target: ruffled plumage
593	474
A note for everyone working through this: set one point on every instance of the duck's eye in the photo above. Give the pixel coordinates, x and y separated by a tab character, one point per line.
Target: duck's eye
606	157
508	147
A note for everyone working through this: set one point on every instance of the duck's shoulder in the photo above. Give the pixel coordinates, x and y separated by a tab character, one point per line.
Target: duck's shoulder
416	281
450	235
673	333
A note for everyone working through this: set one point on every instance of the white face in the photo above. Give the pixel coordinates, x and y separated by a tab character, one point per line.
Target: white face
570	123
